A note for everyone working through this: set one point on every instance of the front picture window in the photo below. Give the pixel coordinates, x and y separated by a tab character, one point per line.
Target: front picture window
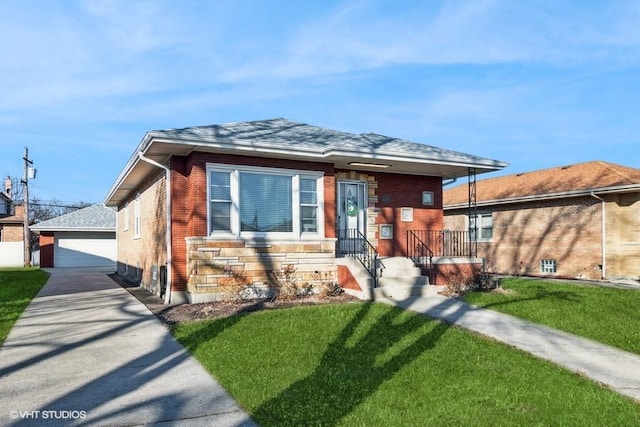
258	201
265	203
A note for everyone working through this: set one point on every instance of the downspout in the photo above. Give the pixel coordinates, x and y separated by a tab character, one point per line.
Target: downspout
167	170
604	235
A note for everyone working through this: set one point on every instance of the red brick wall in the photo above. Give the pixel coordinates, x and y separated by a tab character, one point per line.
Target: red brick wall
444	273
46	249
346	279
181	202
189	206
405	191
330	207
189	199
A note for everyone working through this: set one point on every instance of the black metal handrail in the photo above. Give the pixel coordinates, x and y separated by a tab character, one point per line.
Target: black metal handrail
451	243
420	253
353	243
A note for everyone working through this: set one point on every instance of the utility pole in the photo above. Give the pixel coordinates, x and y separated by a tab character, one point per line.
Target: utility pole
25	195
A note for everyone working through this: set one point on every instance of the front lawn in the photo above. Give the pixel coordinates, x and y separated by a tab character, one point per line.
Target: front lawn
610	316
17	289
373	364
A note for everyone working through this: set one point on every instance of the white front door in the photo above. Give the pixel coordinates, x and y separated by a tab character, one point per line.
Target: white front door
352	211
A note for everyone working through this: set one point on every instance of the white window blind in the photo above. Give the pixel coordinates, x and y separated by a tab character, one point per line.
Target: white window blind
265	203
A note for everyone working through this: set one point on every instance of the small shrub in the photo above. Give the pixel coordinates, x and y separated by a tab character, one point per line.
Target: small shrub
484	280
230	288
325	285
286	286
329	289
457	282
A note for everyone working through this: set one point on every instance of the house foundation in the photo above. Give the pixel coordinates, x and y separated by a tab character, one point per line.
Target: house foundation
215	266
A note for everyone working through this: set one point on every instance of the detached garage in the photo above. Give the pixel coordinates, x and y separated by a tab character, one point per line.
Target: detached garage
83	238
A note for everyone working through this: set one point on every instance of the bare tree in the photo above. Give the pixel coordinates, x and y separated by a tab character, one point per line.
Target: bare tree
42	210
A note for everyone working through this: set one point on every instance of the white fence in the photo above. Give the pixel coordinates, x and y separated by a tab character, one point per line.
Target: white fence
11	254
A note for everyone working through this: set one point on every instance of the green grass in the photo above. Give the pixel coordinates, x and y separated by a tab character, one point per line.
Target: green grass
17	289
610	316
376	365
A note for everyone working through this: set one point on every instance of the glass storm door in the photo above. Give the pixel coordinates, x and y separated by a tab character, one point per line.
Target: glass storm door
352	210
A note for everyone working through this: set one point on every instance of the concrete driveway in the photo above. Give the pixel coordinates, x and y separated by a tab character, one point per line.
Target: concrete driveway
86	352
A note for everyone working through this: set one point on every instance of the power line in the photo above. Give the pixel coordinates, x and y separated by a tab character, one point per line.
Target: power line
55	205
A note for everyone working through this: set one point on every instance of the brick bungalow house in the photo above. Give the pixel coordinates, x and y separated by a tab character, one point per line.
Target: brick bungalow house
575	221
200	206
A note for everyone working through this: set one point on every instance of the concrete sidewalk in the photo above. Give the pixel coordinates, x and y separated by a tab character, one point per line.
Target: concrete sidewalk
86	352
616	369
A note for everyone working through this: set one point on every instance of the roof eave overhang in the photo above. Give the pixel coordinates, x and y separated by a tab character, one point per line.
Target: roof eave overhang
618	189
93	229
161	149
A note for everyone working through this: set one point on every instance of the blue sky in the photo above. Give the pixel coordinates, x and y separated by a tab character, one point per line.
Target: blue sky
536	84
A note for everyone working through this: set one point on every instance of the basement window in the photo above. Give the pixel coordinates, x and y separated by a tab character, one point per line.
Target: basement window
548	266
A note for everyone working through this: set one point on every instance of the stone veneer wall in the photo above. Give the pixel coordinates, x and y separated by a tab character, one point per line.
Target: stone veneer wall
212	263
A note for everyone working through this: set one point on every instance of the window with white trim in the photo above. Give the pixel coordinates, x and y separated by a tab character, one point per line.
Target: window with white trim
125	226
253	201
548	266
136	217
309	205
220	196
483	226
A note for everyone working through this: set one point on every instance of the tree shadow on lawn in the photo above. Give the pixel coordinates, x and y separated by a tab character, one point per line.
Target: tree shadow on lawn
541	294
352	368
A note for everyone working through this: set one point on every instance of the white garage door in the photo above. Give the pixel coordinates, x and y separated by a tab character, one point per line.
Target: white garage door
84	249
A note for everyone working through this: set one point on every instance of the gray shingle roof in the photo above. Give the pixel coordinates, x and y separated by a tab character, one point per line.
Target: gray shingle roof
286	133
93	218
286	139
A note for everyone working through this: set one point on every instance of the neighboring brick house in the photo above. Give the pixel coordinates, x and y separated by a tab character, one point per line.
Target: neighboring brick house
11	221
577	221
11	232
199	206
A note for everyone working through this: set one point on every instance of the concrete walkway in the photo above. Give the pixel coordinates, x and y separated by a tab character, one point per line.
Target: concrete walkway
86	352
616	369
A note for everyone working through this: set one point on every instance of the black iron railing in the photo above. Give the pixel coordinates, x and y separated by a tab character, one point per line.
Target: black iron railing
449	243
420	253
353	243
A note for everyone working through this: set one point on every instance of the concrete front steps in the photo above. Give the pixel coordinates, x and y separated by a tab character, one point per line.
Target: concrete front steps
401	279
